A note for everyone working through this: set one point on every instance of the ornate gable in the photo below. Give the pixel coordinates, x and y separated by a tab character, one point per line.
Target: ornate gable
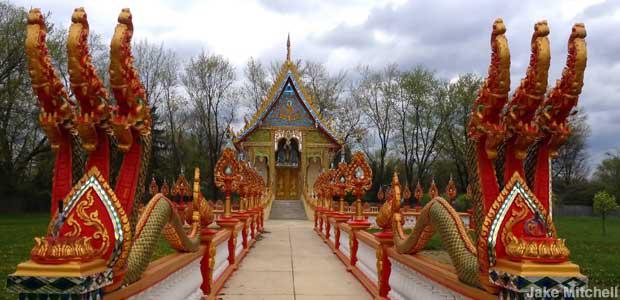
288	110
287	105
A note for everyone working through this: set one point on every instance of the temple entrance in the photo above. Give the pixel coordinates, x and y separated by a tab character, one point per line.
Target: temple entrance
287	169
287	187
287	140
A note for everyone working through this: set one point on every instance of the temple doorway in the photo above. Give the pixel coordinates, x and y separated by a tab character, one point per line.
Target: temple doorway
287	187
287	169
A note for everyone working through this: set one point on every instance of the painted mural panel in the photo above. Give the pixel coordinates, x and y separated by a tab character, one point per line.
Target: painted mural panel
316	137
260	135
288	111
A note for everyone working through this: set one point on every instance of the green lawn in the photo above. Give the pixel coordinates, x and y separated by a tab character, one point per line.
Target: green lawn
597	255
16	240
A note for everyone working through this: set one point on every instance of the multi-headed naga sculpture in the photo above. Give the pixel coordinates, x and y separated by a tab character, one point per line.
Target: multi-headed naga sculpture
94	226
512	143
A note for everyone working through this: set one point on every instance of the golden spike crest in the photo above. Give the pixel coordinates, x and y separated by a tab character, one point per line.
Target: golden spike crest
288	48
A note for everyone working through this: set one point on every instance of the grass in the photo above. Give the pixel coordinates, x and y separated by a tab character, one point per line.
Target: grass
595	253
16	240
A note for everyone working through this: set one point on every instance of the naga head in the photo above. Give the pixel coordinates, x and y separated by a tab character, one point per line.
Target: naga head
527	129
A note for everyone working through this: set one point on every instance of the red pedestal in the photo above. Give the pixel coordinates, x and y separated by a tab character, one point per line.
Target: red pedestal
243	218
385	238
206	237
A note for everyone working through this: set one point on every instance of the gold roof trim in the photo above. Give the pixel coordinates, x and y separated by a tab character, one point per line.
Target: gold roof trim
268	101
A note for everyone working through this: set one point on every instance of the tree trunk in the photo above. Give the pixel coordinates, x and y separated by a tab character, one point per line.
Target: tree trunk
603	222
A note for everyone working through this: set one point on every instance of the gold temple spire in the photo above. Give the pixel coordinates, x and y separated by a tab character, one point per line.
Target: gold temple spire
288	47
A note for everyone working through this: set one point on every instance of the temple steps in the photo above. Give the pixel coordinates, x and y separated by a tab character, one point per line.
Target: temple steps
287	210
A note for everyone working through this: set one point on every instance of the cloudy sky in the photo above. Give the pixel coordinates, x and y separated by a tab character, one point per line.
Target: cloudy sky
450	37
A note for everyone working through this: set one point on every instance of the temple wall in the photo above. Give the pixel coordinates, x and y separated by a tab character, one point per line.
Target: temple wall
316	153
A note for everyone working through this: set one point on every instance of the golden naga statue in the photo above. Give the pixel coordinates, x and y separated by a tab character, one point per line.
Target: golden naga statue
57	110
514	230
95	227
86	85
133	111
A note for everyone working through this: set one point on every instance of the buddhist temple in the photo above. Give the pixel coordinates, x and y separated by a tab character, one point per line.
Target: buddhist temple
101	239
287	139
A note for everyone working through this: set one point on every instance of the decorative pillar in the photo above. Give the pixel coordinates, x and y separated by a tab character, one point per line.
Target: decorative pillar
419	194
386	237
243	192
451	190
205	211
227	178
360	178
342	187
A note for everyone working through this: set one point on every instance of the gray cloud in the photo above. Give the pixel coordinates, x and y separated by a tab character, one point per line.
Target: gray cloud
450	37
453	38
290	7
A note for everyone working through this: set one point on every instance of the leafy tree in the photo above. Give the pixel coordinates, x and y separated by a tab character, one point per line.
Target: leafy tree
604	203
461	96
608	173
24	151
422	115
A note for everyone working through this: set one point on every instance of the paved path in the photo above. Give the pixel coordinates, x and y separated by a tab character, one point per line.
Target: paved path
287	210
292	262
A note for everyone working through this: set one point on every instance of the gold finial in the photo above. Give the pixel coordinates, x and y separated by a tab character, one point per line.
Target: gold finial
288	47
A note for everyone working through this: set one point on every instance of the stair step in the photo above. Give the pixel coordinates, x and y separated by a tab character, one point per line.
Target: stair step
287	210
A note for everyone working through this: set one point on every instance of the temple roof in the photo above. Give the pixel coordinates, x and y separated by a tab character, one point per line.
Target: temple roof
288	74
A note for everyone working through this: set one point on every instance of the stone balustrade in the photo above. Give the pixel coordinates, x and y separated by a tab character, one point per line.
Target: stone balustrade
410	276
196	275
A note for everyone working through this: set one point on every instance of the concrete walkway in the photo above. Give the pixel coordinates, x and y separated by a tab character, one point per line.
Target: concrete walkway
292	262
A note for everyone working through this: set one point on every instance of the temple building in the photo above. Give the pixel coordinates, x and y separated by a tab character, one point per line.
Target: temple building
287	139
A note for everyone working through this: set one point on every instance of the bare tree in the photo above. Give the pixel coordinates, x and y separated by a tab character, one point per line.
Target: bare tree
420	105
172	104
412	87
152	61
461	95
429	119
208	81
276	65
256	84
324	89
571	164
348	119
377	107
